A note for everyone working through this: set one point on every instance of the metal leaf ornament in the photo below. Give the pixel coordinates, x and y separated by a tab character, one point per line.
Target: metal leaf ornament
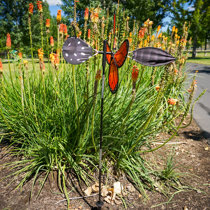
151	56
76	51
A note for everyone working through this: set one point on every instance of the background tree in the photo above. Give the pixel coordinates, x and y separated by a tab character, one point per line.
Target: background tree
195	12
140	10
14	20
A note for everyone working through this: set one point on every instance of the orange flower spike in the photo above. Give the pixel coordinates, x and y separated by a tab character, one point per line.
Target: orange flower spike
20	55
86	14
194	82
172	101
47	23
39	6
88	33
61	28
51	41
176	71
160	35
65	31
157	87
141	32
58	16
1	66
8	42
40	54
56	59
31	9
135	73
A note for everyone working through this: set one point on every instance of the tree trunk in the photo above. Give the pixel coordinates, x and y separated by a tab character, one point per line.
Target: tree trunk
194	47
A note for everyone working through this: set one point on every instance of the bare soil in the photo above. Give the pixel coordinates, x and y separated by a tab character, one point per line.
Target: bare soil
192	161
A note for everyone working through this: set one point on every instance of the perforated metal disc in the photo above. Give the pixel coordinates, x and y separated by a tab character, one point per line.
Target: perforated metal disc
151	56
76	51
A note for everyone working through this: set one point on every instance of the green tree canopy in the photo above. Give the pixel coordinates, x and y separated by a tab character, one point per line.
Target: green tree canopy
140	10
14	20
197	14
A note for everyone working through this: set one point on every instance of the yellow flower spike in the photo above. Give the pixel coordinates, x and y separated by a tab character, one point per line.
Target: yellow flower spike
177	42
150	23
130	34
158	28
163	47
173	29
160	35
145	43
141	44
148	38
25	62
176	31
153	38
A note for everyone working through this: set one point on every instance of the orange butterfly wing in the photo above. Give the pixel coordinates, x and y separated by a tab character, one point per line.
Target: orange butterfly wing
121	55
113	76
108	56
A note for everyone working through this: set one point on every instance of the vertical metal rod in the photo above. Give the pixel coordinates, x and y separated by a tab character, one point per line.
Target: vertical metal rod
100	202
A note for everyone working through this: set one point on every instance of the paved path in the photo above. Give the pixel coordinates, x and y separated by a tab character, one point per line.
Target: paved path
202	107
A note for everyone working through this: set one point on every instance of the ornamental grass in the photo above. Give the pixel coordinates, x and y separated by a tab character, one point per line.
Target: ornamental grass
51	116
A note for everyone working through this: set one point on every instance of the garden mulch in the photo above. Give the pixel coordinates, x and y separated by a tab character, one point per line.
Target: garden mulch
192	160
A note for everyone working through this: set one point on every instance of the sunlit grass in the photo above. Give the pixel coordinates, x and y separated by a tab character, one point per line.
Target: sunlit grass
201	58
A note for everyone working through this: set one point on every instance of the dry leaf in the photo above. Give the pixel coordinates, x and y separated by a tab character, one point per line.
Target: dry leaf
104	191
88	191
118	188
130	188
95	187
108	199
140	195
185	208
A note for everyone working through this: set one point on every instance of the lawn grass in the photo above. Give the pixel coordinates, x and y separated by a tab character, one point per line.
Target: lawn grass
200	59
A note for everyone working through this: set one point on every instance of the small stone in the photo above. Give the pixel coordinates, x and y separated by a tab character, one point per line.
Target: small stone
206	148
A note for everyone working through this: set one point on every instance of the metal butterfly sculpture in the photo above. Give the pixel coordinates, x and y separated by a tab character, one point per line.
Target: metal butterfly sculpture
77	51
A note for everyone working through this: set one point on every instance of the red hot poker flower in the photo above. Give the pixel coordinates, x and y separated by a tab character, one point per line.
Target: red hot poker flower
141	32
47	23
39	5
65	29
58	16
31	9
135	73
61	28
172	101
20	55
51	41
88	33
86	14
8	43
